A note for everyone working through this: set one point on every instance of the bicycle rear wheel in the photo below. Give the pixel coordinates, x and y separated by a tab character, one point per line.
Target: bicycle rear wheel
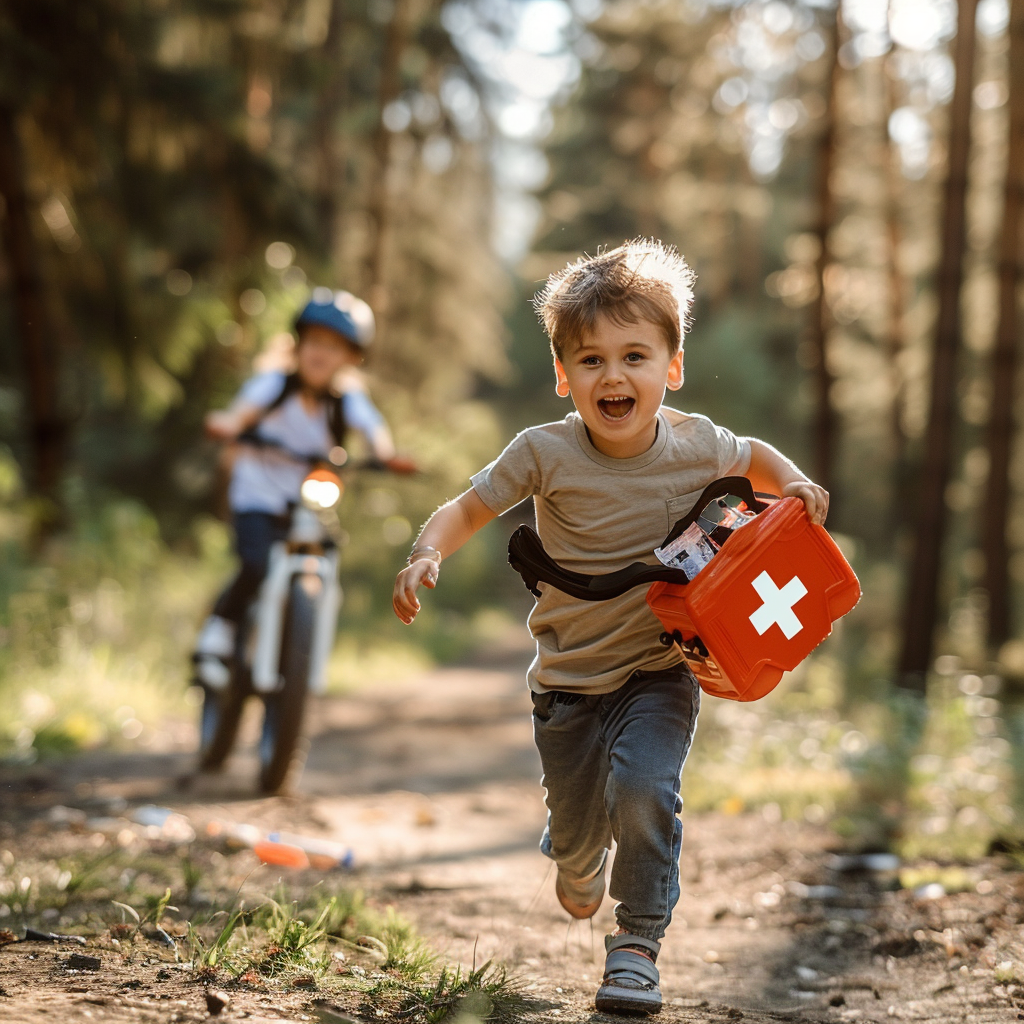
282	750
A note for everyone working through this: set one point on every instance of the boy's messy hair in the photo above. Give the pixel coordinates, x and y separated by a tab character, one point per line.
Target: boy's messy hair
642	279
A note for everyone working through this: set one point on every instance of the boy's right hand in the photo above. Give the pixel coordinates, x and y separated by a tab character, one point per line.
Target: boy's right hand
423	572
221	425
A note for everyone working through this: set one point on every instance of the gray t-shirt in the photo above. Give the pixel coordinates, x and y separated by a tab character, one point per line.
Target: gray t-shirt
596	514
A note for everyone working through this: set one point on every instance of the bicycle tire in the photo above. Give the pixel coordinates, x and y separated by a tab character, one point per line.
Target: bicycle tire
281	751
219	719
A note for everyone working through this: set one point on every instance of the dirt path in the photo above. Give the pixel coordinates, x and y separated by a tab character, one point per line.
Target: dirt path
433	784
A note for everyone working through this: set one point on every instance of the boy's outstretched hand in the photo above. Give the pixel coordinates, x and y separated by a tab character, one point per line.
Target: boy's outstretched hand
814	497
402	464
422	572
445	531
222	425
228	424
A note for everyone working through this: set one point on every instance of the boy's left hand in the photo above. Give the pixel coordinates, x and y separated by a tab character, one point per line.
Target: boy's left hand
402	464
814	497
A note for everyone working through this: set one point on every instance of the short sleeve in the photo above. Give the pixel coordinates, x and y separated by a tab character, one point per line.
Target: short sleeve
360	412
262	390
513	476
733	453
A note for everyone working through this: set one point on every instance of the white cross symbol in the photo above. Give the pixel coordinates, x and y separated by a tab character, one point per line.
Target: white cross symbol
778	606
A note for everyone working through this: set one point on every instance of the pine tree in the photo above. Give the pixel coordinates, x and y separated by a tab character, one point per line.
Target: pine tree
922	597
1002	427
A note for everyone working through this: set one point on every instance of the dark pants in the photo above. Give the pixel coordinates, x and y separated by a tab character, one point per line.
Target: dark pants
612	765
255	533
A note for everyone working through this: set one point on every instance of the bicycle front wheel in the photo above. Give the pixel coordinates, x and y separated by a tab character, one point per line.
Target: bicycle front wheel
282	750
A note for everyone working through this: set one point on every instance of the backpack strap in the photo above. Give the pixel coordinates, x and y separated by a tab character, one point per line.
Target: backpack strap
335	409
336	422
291	386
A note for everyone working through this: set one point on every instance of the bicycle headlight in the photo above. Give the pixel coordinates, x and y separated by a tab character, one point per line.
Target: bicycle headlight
321	490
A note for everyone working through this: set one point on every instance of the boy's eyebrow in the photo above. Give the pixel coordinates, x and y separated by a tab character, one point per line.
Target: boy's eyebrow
590	347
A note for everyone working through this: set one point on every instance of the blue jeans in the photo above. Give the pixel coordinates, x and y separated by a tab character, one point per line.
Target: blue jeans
255	534
612	765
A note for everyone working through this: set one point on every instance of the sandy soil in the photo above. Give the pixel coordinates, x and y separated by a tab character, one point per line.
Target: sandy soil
434	786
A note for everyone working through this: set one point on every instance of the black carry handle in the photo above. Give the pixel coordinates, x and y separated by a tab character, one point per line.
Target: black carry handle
739	486
527	556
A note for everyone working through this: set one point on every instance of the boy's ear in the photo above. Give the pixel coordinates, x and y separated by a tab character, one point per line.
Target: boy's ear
561	381
675	372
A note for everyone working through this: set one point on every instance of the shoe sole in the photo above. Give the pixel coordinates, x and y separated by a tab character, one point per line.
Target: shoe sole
623	1004
581	913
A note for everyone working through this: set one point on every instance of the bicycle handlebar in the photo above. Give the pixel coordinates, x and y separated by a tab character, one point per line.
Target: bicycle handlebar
255	440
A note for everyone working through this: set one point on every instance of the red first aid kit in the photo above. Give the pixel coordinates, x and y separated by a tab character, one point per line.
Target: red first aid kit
761	605
766	593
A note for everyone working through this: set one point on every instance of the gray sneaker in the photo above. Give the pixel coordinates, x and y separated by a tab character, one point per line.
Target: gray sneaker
630	983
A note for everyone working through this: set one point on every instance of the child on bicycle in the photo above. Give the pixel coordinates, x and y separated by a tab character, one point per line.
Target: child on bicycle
304	416
614	710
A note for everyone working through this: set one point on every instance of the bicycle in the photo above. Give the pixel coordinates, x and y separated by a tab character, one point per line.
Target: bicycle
283	645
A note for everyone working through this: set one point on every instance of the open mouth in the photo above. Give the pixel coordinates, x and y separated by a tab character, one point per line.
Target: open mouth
616	408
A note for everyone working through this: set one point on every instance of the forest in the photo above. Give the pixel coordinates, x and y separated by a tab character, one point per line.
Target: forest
847	182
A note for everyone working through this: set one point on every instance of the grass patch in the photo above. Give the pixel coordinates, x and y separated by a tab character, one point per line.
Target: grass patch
331	939
483	993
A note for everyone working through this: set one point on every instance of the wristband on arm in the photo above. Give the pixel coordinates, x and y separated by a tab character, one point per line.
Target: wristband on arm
424	551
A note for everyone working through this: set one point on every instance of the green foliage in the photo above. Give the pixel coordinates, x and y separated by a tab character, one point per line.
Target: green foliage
95	628
197	167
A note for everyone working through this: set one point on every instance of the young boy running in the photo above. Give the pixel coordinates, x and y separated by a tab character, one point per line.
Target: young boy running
614	710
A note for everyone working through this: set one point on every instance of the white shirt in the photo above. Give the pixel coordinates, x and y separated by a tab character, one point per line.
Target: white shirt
265	480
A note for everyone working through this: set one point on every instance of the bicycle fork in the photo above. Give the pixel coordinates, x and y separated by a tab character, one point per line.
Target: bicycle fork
316	571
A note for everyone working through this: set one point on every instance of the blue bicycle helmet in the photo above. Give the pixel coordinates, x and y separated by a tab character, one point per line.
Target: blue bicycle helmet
342	312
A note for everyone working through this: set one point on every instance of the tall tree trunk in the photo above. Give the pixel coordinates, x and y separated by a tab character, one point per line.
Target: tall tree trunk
895	340
330	102
379	205
922	602
820	315
1004	361
46	428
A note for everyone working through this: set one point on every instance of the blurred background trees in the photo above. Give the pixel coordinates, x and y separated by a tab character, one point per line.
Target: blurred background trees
845	181
156	150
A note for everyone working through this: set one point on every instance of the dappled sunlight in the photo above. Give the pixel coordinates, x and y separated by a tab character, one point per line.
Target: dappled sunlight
177	184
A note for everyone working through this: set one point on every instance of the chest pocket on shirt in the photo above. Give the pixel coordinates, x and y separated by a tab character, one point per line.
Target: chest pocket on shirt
678	507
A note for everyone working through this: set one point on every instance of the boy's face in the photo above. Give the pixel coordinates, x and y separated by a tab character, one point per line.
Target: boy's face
617	378
321	353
